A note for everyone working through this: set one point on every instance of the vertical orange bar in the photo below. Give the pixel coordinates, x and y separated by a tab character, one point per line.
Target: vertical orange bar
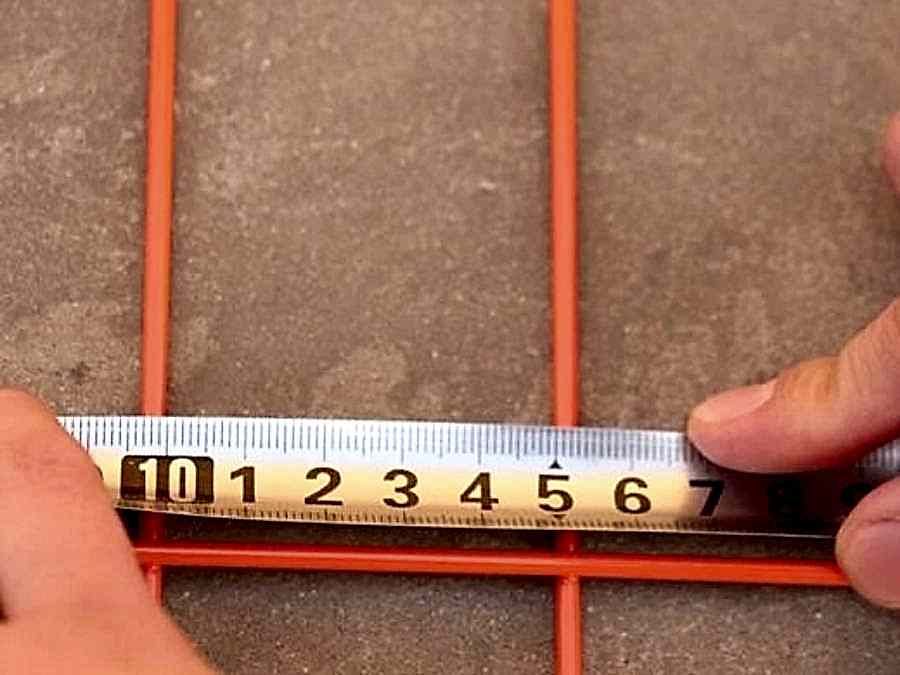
568	614
563	168
158	214
563	171
158	232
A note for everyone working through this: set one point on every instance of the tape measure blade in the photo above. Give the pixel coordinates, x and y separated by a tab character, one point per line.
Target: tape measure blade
457	475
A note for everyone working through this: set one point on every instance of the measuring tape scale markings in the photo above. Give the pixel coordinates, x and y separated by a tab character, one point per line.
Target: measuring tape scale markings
457	475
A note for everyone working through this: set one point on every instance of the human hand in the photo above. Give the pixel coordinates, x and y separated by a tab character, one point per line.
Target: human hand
823	413
72	596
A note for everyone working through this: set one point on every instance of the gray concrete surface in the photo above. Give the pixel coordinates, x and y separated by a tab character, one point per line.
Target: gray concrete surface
362	230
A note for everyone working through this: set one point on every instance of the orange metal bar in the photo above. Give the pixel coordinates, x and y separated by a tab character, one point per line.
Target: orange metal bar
494	562
563	149
563	197
153	573
567	613
158	233
158	216
563	168
564	563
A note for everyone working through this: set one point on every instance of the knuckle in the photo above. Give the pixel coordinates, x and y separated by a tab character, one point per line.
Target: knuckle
871	360
22	416
814	380
21	413
36	462
887	338
33	446
892	323
18	399
890	153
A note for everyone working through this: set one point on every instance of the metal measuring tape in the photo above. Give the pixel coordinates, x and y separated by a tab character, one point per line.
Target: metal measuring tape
457	475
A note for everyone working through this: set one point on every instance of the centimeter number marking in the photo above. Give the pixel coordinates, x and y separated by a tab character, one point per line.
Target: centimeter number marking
458	475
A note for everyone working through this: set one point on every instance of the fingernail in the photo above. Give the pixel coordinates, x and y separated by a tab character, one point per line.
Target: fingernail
870	557
735	403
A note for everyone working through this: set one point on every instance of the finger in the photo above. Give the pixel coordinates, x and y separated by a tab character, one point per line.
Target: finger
822	413
891	154
61	543
868	546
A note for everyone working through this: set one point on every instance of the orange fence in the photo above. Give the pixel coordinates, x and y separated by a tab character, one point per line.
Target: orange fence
565	563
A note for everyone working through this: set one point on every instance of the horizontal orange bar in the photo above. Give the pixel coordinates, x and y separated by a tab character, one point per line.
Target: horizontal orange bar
500	562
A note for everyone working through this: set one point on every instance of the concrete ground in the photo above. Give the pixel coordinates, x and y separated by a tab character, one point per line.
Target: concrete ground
362	230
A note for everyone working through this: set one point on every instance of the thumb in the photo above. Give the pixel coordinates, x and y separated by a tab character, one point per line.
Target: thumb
61	544
821	413
868	545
